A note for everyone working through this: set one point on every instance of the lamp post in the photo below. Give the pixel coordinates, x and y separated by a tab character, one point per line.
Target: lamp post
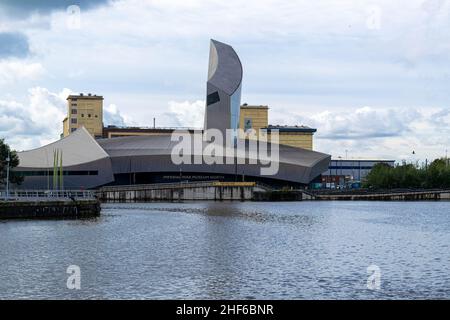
8	159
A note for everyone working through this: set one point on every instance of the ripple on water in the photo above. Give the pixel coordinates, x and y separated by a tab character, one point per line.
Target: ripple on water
233	250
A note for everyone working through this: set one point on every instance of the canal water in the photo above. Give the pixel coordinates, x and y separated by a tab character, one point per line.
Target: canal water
234	250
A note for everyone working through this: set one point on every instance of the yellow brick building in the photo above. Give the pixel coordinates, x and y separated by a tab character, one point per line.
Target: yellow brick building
84	110
253	117
294	136
256	118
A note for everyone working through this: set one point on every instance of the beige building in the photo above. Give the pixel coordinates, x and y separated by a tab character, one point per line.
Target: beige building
84	111
294	136
256	118
253	117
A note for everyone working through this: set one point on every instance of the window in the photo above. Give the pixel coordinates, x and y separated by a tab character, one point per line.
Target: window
96	116
74	111
82	115
73	120
212	98
74	104
89	115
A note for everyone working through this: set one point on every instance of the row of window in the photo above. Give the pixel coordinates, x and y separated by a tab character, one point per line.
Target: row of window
74	120
75	111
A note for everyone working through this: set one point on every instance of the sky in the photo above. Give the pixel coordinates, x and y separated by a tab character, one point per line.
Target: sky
372	77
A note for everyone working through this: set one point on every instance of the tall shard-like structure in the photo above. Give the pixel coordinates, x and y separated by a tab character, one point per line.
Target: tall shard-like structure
223	88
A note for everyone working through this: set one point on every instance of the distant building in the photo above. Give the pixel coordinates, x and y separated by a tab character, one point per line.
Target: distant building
84	111
294	136
342	172
115	131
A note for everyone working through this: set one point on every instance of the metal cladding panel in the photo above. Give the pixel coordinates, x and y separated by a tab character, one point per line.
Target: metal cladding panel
225	68
72	182
223	88
77	148
161	163
146	154
152	154
218	115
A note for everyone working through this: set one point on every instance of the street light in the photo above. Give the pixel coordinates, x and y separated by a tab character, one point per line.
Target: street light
8	159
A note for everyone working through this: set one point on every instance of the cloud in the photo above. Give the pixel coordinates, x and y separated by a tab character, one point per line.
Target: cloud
36	123
39	121
112	116
311	58
13	44
364	123
366	132
23	8
186	114
13	71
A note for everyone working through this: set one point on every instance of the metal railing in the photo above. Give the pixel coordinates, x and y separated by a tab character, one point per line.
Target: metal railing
15	195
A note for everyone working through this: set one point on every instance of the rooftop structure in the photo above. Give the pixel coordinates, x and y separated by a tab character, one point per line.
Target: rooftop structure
84	111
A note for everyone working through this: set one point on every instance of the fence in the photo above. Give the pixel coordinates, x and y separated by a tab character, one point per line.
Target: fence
15	195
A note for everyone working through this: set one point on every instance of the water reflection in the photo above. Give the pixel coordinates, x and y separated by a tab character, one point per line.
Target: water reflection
233	250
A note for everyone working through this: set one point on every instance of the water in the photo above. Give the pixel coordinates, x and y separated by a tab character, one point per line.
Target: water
208	250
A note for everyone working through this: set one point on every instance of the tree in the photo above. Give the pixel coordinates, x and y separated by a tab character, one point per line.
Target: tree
436	175
14	162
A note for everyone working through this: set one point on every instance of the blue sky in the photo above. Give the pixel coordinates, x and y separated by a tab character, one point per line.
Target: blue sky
372	77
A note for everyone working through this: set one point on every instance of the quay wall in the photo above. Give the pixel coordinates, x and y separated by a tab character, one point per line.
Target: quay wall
217	193
51	208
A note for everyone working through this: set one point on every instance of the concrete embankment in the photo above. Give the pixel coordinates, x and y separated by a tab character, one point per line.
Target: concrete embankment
49	208
281	195
178	192
251	191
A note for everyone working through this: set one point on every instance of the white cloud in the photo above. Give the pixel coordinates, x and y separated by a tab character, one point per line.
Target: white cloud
36	123
187	114
320	53
112	116
366	132
39	121
12	71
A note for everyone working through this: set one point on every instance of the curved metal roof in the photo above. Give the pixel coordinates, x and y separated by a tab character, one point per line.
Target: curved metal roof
162	145
77	148
225	68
